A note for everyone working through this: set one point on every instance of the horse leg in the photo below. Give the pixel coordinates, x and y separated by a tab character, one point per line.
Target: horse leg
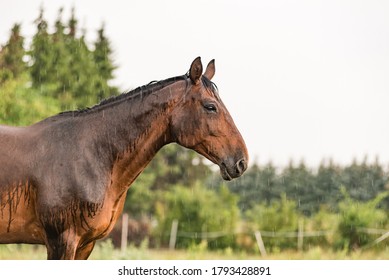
61	247
84	252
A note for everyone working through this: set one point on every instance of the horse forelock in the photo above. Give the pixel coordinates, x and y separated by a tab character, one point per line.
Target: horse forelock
208	84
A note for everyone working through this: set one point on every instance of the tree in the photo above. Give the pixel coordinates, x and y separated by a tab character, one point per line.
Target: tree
355	218
62	62
198	210
63	65
81	77
102	58
327	185
299	185
72	24
173	165
364	181
42	55
12	55
258	185
280	216
22	105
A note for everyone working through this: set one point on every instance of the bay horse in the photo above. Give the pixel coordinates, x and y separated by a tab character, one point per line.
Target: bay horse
63	180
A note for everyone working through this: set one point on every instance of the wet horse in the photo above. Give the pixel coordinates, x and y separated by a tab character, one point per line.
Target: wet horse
63	181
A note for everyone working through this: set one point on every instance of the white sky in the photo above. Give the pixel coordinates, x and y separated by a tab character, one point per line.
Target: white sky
302	79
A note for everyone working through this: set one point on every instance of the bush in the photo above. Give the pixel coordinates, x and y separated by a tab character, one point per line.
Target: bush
324	222
355	218
23	105
198	211
280	216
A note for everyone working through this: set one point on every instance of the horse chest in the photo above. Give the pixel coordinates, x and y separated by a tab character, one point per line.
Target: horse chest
101	224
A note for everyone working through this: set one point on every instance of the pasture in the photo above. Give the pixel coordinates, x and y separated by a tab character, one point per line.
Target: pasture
105	251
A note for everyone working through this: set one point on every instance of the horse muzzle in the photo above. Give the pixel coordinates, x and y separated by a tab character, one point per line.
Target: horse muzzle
231	170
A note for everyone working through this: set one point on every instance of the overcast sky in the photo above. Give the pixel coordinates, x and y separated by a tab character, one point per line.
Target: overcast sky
302	79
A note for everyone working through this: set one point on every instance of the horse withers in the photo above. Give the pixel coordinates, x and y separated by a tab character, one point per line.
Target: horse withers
63	180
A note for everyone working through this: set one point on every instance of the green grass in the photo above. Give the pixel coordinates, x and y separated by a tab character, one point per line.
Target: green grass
105	251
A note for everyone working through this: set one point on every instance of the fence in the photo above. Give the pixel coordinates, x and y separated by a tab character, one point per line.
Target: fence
300	234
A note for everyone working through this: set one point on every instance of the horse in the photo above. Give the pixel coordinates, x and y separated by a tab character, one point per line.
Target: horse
64	180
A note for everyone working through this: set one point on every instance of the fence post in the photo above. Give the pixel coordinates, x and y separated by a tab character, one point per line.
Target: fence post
381	238
300	235
123	245
204	234
173	235
261	246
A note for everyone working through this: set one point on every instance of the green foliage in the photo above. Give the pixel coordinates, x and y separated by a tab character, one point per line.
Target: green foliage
173	165
324	223
105	67
177	165
308	188
11	56
61	72
141	199
279	216
78	75
259	184
42	55
364	181
198	210
328	181
299	185
355	218
22	105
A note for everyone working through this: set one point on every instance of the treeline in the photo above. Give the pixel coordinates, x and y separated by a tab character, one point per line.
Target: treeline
59	71
312	189
347	204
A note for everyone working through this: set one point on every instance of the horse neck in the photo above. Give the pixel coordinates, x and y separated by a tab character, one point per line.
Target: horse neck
134	130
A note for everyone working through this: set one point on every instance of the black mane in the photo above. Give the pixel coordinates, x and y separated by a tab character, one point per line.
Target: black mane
140	92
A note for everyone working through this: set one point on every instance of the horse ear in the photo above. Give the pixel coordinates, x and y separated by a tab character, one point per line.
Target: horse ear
210	71
196	69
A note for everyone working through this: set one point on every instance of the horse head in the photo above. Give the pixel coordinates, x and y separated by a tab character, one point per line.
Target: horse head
201	122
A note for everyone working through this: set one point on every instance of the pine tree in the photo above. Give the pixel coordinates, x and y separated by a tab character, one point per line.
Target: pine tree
363	181
84	74
328	184
61	57
102	57
259	185
78	75
12	54
42	55
299	185
72	24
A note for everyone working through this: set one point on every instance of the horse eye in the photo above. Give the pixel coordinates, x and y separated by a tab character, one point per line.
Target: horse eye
210	107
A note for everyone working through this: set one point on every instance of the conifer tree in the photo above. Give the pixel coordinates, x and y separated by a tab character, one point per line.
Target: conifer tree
61	57
12	54
84	74
103	60
41	54
79	73
72	24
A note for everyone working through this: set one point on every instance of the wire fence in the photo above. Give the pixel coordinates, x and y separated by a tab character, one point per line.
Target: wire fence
300	234
276	234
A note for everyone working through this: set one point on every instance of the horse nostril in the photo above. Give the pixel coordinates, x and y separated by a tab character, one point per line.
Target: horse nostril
240	166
